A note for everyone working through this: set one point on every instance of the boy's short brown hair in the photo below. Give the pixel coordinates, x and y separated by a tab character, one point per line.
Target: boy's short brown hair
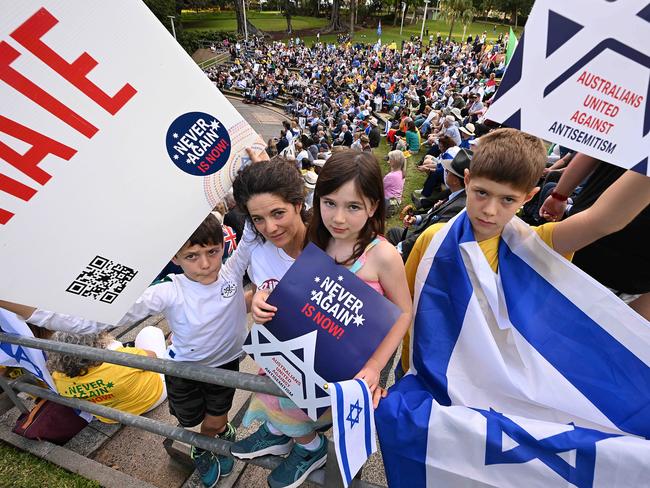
510	156
209	233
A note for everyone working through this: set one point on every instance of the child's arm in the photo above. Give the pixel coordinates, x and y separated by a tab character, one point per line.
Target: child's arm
23	311
235	266
152	301
613	210
392	278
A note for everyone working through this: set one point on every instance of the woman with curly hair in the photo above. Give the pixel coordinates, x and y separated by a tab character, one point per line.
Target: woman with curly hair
131	390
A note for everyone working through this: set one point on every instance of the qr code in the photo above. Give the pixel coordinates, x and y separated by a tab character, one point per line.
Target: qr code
102	280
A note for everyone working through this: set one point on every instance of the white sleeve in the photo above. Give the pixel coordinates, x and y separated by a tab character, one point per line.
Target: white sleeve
235	266
67	323
154	300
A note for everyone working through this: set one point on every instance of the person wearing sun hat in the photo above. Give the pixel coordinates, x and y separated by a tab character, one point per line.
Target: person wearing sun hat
374	135
310	183
467	134
456	113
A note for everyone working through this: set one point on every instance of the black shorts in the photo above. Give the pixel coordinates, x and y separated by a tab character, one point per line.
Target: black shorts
190	401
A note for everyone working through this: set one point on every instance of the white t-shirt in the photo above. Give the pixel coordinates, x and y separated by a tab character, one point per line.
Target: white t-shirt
208	322
268	265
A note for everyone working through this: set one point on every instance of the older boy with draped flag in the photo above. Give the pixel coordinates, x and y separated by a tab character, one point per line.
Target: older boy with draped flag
521	370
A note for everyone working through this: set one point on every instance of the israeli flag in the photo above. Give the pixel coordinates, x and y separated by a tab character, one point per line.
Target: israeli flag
533	376
379	29
33	360
354	426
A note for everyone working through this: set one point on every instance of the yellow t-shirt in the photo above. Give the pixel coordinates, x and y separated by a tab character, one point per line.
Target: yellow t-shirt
128	389
490	248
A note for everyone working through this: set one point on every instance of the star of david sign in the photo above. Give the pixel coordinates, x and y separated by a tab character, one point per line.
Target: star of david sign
353	415
581	440
604	42
268	352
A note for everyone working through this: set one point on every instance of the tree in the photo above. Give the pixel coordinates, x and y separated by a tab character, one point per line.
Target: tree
162	9
335	24
515	8
240	5
453	10
287	14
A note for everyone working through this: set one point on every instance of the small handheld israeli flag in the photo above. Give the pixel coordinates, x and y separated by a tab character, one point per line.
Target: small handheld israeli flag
354	426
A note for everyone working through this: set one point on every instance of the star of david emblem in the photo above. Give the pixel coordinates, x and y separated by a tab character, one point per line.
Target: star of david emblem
267	351
546	450
353	415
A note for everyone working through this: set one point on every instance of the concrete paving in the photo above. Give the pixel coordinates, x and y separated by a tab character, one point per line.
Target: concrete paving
266	121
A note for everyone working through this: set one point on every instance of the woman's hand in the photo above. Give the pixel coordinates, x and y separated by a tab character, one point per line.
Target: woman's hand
262	311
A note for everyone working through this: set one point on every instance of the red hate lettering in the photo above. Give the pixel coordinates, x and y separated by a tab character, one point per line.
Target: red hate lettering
29	36
17	189
17	81
41	147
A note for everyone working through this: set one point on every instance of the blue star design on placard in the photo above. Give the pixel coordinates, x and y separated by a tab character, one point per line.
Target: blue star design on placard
353	415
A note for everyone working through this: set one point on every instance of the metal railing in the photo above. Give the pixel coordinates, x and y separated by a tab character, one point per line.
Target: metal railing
329	477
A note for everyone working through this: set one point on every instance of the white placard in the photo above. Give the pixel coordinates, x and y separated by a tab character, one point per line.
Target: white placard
580	78
114	146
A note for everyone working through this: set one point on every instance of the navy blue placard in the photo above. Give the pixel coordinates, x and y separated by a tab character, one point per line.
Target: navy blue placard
350	319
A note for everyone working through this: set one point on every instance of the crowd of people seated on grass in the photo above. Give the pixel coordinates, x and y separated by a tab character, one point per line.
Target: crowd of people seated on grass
323	81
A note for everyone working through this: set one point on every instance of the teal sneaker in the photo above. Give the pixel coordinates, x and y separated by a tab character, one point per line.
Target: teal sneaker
261	443
226	463
207	465
298	465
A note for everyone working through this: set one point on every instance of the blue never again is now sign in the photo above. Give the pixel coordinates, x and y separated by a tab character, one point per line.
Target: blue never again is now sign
328	323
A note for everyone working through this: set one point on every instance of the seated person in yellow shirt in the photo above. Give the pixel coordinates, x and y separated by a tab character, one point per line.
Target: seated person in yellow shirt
503	175
127	389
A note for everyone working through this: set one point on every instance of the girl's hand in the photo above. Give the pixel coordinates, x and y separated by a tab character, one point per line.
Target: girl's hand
370	373
262	311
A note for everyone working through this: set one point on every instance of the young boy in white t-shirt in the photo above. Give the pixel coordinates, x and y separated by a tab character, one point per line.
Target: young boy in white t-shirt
206	311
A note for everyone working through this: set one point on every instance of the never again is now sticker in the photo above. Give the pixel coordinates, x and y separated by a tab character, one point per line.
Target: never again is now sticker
198	144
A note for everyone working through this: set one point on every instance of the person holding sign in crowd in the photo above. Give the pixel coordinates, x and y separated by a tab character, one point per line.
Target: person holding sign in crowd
271	193
347	223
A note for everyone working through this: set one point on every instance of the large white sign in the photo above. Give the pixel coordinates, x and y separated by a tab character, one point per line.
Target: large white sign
580	77
113	148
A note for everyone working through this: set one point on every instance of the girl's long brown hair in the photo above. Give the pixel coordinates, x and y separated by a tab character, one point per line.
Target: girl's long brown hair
341	167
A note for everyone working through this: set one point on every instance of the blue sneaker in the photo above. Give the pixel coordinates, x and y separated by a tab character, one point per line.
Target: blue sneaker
298	465
226	463
207	465
261	443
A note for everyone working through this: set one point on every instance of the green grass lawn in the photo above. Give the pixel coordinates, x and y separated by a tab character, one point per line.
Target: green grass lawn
275	22
19	469
267	21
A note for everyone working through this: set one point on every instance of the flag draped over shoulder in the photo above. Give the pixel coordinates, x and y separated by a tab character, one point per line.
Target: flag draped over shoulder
354	426
533	376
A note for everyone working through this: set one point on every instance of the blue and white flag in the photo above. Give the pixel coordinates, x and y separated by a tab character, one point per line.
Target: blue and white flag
354	426
536	375
33	360
379	29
